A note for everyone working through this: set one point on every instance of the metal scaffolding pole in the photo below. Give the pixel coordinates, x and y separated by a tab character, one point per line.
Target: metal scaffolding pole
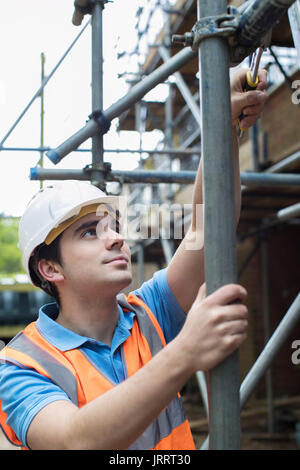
140	263
288	80
183	88
42	114
289	212
167	151
167	248
267	326
157	176
294	18
220	237
269	179
97	89
263	362
286	163
168	138
124	176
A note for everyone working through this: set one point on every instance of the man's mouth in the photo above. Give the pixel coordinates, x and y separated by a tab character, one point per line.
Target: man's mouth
121	259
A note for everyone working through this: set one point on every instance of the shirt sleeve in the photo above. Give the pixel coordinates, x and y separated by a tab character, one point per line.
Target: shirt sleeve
156	293
23	393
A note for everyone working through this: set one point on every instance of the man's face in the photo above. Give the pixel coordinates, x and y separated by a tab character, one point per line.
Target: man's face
95	256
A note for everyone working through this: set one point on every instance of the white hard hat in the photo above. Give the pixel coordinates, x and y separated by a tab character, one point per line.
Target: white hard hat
54	205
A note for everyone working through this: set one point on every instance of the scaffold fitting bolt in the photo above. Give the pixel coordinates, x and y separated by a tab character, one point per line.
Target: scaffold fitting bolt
185	39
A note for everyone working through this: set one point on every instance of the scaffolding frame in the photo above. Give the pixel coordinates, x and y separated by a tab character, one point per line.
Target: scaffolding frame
253	21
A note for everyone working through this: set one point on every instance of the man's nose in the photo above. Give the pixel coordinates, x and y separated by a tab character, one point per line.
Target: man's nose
113	239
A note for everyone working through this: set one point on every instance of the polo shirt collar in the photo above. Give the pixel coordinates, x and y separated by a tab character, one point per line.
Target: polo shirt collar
65	339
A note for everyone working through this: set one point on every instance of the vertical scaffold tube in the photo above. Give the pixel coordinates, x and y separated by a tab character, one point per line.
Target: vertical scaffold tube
97	84
294	19
220	237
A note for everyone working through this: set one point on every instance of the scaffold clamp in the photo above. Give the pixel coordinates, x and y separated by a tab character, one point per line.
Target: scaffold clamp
101	119
101	167
84	7
213	26
224	25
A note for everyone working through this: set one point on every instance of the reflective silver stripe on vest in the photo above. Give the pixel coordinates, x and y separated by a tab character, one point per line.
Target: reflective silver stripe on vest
145	323
58	373
174	414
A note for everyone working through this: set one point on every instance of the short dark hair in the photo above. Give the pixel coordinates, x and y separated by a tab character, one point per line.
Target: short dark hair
50	253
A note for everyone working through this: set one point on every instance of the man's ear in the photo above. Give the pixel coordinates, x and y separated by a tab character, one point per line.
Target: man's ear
50	270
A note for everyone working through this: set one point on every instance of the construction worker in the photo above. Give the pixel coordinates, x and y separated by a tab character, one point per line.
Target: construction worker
99	370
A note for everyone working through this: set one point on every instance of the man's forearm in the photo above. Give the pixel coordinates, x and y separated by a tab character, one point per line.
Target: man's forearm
117	418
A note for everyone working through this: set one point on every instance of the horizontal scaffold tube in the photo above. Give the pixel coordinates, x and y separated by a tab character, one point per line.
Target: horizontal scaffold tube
138	176
154	176
258	19
170	151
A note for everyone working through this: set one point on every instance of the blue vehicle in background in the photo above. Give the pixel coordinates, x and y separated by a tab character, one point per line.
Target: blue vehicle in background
20	302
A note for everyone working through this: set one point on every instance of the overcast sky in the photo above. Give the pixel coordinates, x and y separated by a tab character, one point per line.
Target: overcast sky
28	28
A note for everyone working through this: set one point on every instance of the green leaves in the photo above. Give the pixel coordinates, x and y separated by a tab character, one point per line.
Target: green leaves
10	255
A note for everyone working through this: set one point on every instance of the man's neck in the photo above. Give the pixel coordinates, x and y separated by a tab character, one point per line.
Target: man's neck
94	318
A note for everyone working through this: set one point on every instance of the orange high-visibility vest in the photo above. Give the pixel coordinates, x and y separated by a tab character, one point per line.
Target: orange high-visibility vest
73	372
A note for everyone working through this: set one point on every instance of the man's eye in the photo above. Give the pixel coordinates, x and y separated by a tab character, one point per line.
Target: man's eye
91	232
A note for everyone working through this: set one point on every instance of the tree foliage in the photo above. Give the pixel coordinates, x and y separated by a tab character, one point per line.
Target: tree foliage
10	255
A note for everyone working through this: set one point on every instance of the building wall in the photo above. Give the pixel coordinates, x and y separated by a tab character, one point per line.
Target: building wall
283	272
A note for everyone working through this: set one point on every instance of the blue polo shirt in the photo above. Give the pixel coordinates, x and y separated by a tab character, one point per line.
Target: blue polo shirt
24	392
